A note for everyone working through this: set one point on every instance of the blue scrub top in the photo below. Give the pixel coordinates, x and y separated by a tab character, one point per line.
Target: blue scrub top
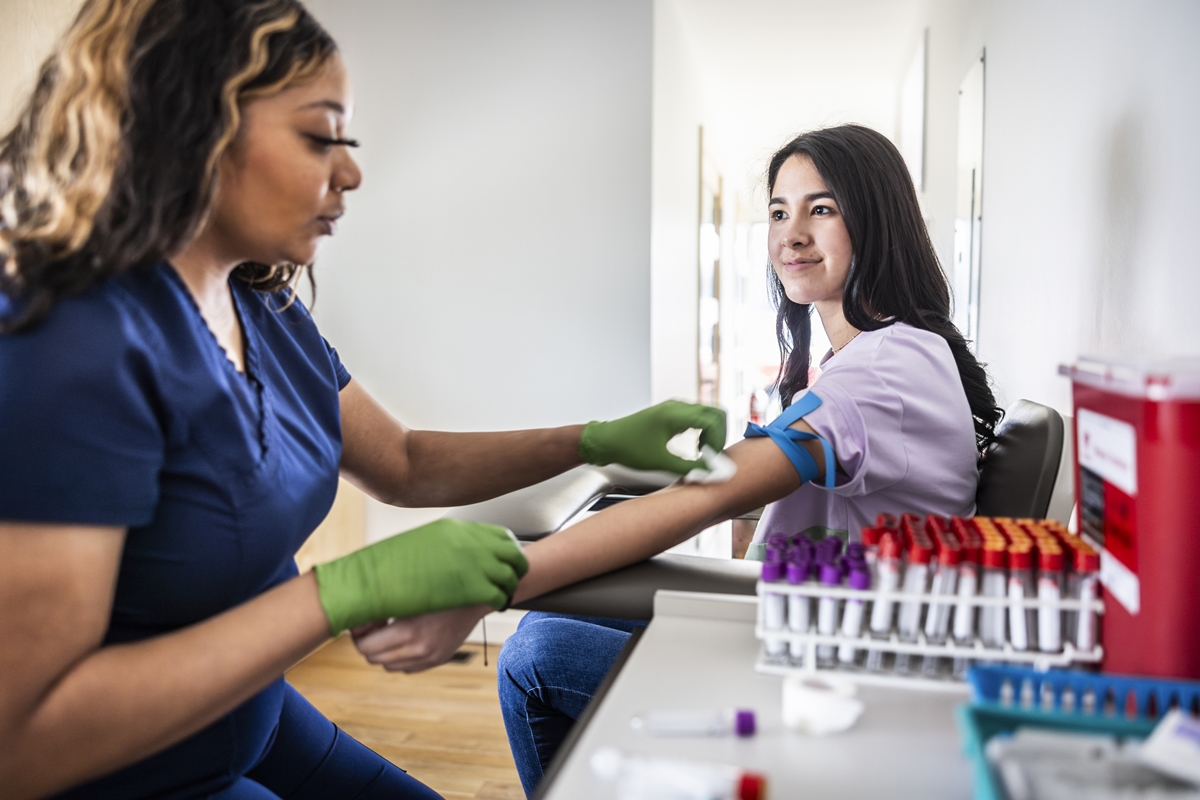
121	409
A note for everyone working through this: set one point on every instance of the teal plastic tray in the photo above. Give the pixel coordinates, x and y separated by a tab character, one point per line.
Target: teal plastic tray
1124	706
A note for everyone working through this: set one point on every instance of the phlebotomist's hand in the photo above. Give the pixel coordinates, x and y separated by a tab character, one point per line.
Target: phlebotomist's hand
445	564
639	441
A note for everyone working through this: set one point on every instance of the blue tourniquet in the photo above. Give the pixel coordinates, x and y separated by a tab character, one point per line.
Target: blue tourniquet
788	439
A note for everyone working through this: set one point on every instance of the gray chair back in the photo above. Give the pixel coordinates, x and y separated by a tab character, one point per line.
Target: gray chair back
1016	477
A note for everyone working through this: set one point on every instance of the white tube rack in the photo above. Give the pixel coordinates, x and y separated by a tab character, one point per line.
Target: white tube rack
976	651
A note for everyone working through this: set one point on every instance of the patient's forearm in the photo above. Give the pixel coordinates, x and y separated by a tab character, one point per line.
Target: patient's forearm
637	529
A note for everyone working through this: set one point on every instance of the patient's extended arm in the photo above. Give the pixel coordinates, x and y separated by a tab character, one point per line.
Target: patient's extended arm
616	537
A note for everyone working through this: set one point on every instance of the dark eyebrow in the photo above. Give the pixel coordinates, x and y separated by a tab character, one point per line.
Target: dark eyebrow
330	104
808	198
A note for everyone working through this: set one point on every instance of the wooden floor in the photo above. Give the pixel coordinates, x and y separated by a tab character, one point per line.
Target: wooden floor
443	725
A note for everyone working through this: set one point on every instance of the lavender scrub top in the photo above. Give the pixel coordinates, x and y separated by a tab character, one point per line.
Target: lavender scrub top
894	409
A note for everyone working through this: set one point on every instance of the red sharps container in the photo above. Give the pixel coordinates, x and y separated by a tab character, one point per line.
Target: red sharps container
1137	485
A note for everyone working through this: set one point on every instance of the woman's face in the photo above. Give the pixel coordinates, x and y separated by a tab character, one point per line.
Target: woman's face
282	181
808	241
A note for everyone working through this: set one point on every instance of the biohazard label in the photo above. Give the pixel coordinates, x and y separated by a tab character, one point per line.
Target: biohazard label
1108	495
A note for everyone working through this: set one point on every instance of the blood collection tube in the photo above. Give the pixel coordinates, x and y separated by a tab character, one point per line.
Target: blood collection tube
643	777
1081	585
774	609
798	605
852	613
994	584
1020	587
943	584
916	581
827	612
696	722
870	542
963	626
968	578
1050	587
887	581
1022	621
776	547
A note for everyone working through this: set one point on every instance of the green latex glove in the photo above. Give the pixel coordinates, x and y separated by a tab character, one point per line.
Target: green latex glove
639	441
446	564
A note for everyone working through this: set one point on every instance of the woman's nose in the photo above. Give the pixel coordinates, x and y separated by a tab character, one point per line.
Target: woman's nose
796	234
346	175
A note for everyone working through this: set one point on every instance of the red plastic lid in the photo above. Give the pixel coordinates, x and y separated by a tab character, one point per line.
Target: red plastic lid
966	531
949	551
995	559
1020	558
935	525
752	786
1050	560
887	521
920	553
870	536
1087	560
889	546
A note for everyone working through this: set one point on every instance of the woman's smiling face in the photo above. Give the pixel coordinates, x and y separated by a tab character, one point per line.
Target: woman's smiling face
808	242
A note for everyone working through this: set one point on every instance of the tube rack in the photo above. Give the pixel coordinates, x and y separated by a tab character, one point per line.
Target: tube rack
976	651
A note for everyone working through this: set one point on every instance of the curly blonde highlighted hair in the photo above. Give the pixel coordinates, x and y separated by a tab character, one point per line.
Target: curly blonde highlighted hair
112	164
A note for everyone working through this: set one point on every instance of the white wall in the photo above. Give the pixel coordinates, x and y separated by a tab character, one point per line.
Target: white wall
1091	179
493	270
28	31
677	116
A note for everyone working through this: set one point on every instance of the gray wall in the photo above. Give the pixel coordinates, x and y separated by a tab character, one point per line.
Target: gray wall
493	270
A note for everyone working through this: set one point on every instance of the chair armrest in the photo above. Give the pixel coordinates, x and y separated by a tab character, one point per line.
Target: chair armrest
628	593
540	510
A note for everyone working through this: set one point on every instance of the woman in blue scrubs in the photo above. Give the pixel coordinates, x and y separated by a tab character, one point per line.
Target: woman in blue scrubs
172	424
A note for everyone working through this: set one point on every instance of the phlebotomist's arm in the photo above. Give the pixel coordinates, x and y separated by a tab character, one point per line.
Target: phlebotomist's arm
618	536
70	709
404	467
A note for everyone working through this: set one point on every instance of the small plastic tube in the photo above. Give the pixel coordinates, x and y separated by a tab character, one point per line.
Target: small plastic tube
776	547
887	581
968	578
827	613
1082	585
992	619
798	606
1021	625
698	722
916	581
774	609
870	542
1049	592
943	584
852	613
641	777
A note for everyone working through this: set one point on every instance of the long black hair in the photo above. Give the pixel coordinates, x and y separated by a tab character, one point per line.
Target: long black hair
894	274
112	164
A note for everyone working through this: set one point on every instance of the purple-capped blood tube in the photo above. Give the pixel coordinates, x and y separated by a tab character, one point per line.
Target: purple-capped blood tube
827	614
852	614
776	547
798	606
699	722
774	609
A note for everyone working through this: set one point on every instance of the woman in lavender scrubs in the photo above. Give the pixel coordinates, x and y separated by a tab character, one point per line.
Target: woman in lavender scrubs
903	402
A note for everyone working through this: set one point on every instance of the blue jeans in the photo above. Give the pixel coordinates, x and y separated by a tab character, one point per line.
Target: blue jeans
547	673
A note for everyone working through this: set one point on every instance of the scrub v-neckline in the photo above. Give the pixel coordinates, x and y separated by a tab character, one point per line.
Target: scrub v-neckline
245	380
